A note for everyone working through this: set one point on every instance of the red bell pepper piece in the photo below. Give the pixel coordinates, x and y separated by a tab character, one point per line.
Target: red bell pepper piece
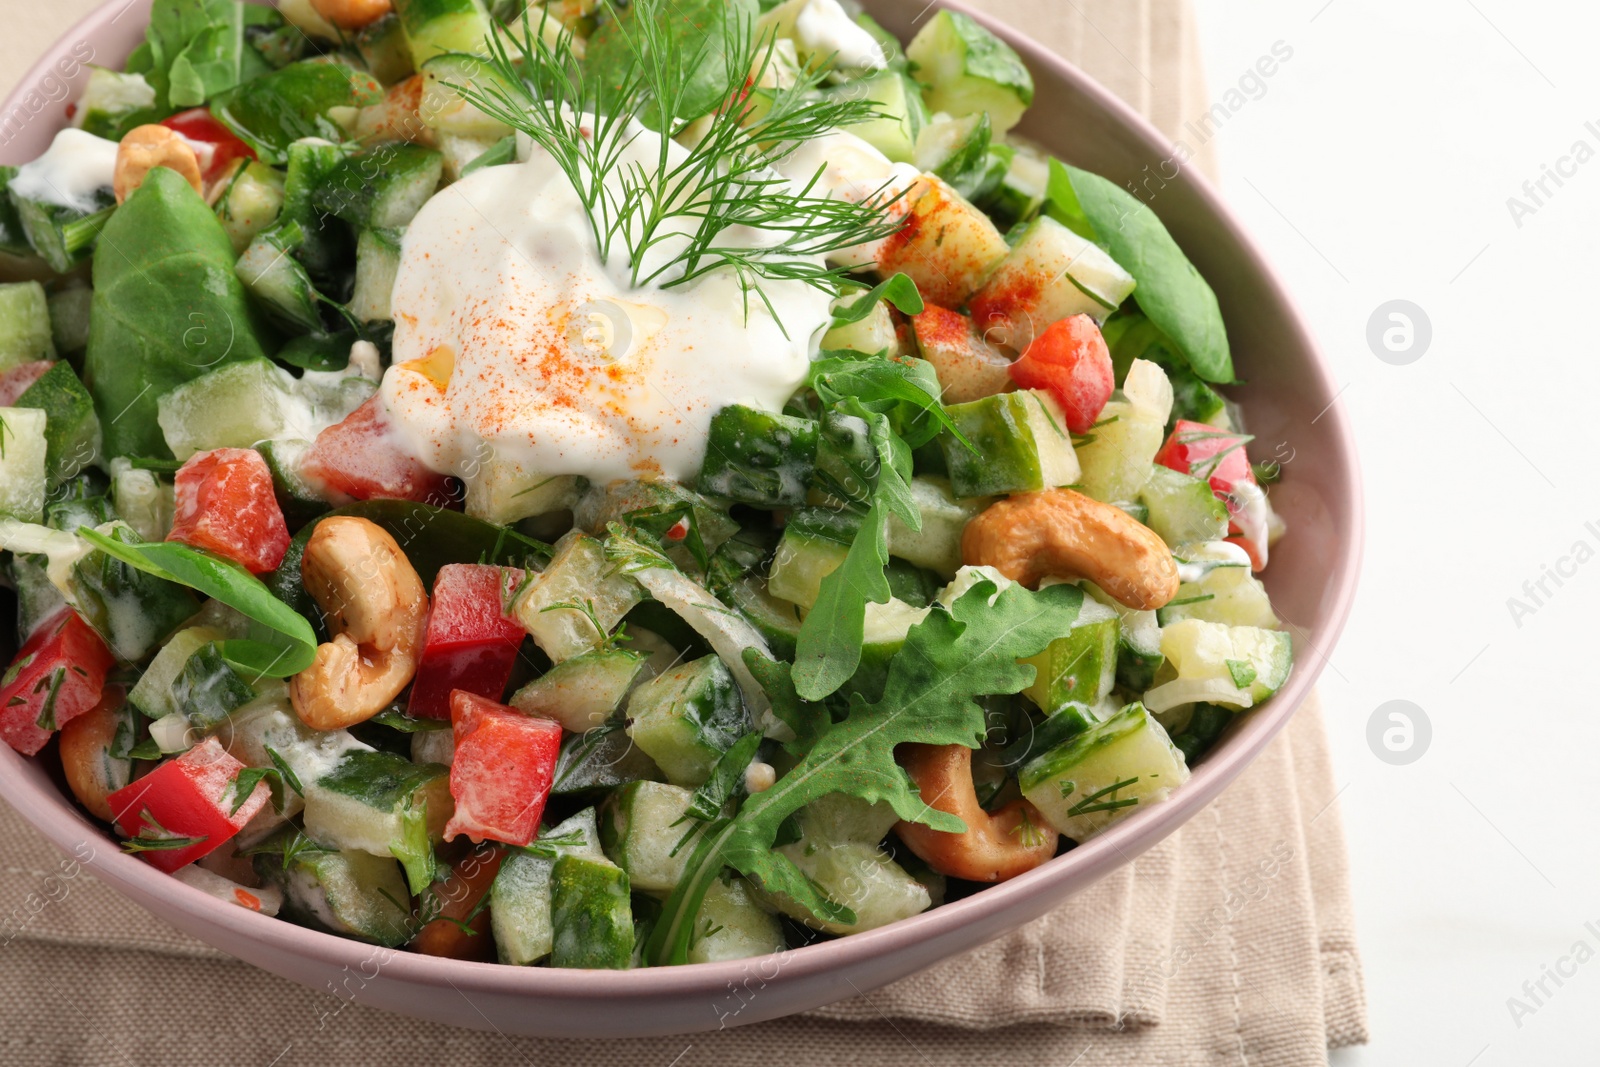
470	644
15	382
184	808
1218	456
57	676
215	146
500	777
359	457
1072	362
225	504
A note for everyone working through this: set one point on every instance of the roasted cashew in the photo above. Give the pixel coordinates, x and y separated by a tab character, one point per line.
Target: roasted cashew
145	148
997	845
376	609
351	14
92	772
1058	533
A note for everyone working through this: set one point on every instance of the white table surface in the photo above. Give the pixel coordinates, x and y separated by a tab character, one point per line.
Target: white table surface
1376	164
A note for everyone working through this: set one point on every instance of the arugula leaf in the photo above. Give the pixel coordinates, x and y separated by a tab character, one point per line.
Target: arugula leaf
900	291
950	660
906	390
726	781
1170	290
808	720
282	642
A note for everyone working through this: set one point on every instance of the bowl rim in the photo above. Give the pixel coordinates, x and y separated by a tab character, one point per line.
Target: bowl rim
46	808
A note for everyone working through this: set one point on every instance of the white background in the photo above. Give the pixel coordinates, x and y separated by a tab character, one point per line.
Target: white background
1376	164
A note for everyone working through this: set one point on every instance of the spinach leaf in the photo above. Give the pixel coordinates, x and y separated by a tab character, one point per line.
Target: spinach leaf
900	291
195	49
167	308
1170	290
273	111
281	641
696	34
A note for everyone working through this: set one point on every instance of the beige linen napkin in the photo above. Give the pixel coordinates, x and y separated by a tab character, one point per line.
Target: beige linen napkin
1231	942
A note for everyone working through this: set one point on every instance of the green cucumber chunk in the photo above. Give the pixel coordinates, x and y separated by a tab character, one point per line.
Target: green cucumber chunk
591	914
687	718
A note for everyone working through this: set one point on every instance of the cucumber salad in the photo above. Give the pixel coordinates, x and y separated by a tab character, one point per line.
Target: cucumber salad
606	484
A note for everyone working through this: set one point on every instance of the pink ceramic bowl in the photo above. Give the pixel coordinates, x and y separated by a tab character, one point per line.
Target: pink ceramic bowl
1289	403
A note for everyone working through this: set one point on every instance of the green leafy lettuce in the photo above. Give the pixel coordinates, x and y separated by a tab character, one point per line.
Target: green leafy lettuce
195	49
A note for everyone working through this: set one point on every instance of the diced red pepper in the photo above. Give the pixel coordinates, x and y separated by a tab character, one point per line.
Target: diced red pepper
225	504
215	146
57	676
500	777
190	800
470	643
358	457
15	382
1071	360
1218	456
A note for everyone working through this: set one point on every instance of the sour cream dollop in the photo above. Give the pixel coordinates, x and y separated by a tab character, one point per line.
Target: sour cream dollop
513	339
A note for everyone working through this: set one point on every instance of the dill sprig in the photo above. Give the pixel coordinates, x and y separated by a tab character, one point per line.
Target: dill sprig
671	212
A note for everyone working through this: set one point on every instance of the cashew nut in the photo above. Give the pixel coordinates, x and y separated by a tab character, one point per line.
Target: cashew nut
351	14
146	147
997	845
92	772
1063	534
376	609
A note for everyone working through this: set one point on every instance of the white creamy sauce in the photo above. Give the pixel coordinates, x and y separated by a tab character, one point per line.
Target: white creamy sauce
512	337
77	166
823	28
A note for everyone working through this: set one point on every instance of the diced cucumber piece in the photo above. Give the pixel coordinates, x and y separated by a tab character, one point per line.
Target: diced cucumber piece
383	48
645	830
1022	187
937	546
142	500
69	318
132	611
350	893
1235	666
252	203
601	758
815	542
901	114
297	498
966	70
655	507
268	726
1138	641
758	457
957	150
846	462
1116	767
1182	509
235	406
278	281
38	599
25	333
860	876
72	429
377	263
883	634
732	925
687	718
1079	668
776	620
873	334
324	243
433	27
591	914
840	818
364	800
1051	274
947	246
1121	448
1022	445
23	451
446	110
1218	586
113	103
582	692
519	902
561	605
207	688
381	188
152	694
502	492
968	366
